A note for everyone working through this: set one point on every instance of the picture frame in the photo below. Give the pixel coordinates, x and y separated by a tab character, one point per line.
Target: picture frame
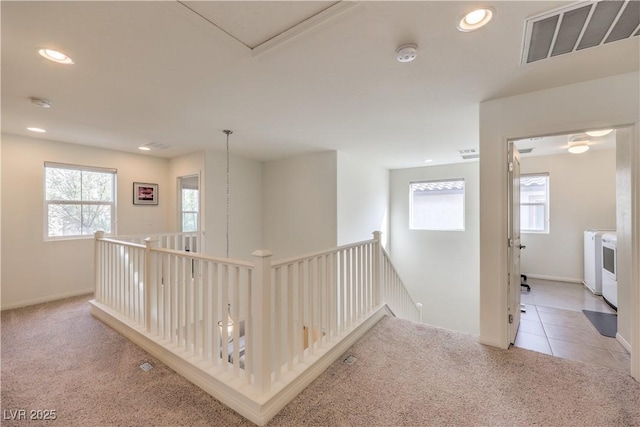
145	193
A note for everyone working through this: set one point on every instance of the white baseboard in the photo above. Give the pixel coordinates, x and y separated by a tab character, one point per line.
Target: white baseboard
47	299
553	278
623	342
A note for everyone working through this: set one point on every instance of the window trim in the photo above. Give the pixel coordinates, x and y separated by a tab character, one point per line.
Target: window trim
47	203
464	204
546	204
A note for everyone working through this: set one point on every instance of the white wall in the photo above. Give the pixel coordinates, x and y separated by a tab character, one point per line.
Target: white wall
624	204
300	204
35	270
245	207
582	196
363	200
440	268
594	104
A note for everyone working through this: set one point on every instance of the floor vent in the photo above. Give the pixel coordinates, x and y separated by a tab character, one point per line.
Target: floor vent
579	26
350	360
146	366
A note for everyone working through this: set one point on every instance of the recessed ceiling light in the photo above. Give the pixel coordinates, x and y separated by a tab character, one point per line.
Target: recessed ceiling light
475	19
36	130
143	148
55	56
601	132
428	160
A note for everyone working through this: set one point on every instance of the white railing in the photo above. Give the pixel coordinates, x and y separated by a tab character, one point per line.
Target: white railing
190	242
258	324
119	277
395	293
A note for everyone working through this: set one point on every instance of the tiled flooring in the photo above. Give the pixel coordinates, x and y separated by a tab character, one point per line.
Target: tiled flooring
554	324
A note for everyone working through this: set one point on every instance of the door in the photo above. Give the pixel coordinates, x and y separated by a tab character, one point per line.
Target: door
513	220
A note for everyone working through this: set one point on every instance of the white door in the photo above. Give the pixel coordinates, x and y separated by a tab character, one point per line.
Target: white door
513	219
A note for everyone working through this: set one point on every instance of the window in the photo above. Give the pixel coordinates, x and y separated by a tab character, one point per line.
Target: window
79	200
437	205
189	203
534	203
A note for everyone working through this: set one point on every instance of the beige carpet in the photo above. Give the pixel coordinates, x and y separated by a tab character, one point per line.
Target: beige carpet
56	356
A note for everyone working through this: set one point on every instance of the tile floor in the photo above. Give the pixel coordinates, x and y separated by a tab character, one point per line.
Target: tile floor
554	324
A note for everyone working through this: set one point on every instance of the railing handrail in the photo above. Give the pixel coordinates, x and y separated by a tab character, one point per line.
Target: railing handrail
299	258
204	257
120	242
171	234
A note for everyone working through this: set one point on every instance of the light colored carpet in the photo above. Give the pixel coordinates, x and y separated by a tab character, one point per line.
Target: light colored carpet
56	356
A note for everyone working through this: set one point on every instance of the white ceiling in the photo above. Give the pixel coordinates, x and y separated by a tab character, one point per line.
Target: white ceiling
286	77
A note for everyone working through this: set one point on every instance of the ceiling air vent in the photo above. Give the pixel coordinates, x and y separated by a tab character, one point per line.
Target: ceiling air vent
156	146
469	153
579	26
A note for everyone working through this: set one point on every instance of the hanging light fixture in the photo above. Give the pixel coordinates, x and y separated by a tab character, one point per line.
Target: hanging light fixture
229	322
229	325
227	132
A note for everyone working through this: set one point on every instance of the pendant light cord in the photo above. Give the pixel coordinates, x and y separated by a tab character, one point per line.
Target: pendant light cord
227	132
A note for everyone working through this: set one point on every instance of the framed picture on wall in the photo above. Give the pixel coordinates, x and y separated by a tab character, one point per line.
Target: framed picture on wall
145	194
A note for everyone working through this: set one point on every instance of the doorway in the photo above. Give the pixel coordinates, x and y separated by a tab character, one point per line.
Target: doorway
562	195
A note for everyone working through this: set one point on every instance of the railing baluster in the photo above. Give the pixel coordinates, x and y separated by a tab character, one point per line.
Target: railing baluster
277	326
290	318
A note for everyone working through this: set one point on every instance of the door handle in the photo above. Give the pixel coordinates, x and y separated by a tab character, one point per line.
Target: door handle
522	246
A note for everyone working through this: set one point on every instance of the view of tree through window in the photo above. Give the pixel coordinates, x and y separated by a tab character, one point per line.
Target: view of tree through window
78	200
189	210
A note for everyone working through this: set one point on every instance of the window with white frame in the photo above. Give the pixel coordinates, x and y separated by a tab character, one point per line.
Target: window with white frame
437	205
189	203
79	200
189	209
534	203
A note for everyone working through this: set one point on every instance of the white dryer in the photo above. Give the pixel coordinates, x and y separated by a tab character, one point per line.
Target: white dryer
610	269
593	259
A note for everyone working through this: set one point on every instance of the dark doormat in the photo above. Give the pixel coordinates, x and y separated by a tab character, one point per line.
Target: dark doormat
605	323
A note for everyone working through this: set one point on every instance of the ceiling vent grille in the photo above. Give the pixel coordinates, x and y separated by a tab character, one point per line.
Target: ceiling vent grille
469	153
156	146
579	26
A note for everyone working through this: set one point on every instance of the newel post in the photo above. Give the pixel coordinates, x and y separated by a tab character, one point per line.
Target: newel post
149	269
97	265
261	321
377	268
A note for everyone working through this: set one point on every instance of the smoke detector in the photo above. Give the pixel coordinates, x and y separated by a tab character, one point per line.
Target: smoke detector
407	53
40	102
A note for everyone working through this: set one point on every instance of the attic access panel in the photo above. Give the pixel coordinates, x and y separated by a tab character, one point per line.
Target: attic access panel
579	26
262	25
